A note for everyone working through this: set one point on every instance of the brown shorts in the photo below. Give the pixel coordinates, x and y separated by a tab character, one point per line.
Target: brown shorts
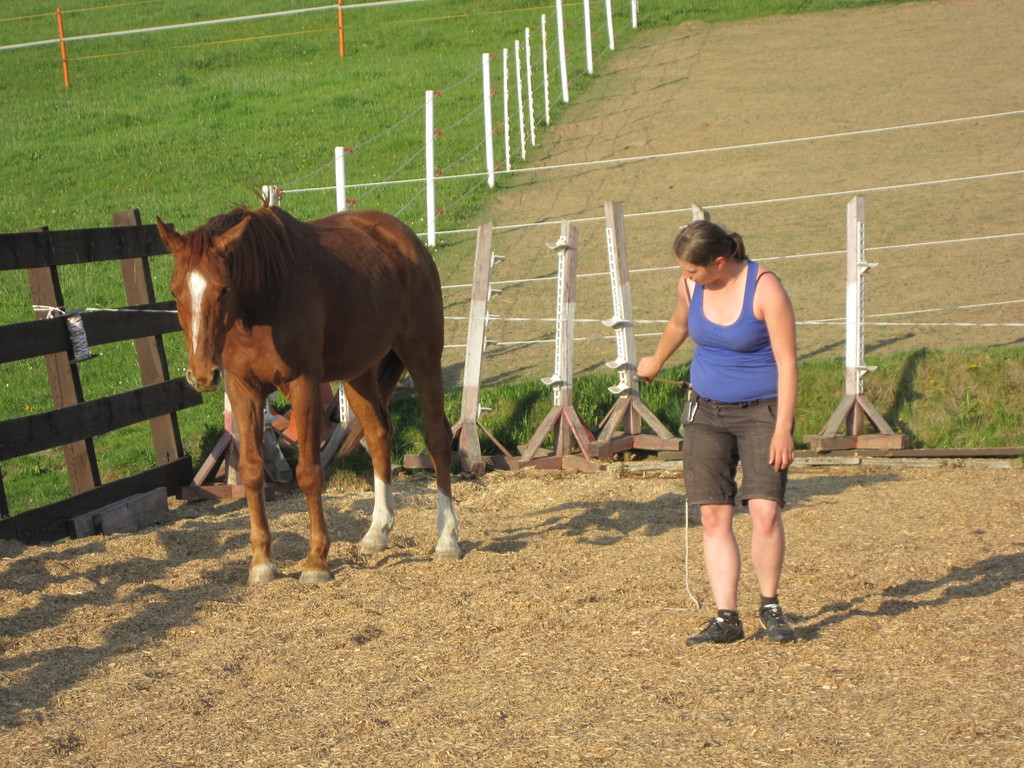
717	438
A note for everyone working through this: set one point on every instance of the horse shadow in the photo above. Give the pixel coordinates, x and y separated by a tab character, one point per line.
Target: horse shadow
146	590
39	676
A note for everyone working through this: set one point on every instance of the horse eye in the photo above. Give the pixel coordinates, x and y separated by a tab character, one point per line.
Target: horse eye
224	291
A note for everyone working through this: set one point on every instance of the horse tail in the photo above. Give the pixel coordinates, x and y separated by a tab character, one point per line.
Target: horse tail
389	371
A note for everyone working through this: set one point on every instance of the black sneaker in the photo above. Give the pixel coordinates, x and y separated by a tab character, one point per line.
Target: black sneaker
718	630
775	624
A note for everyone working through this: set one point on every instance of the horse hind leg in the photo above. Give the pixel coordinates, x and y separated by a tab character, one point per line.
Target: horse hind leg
364	399
430	388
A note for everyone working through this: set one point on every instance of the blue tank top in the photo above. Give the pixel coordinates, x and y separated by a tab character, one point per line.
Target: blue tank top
732	363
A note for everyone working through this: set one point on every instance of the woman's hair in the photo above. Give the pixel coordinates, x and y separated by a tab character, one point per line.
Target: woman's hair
701	242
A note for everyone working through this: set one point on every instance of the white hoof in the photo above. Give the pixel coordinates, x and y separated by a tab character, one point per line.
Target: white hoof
262	574
373	545
314	577
448	552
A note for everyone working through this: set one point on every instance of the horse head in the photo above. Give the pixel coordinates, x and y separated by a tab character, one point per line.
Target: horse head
207	303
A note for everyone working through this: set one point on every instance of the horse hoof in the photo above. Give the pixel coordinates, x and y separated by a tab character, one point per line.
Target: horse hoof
314	577
452	553
371	547
262	574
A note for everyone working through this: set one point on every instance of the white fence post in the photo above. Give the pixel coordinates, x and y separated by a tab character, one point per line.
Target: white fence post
855	408
611	26
488	120
519	99
588	37
271	194
856	268
560	19
508	123
629	411
622	304
633	8
340	193
563	423
429	152
529	86
544	68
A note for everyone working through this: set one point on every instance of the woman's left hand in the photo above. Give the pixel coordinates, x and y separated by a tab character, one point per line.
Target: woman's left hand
782	451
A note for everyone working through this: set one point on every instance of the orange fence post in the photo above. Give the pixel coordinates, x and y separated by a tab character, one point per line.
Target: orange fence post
63	48
341	30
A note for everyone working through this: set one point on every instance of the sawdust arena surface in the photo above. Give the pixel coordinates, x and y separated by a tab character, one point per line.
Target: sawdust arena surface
558	640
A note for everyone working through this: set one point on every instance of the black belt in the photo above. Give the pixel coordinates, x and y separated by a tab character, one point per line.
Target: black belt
747	404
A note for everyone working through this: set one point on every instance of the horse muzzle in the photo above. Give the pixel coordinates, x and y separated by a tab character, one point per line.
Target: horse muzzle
207	383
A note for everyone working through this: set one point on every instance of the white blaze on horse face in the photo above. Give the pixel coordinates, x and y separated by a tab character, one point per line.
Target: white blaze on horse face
196	290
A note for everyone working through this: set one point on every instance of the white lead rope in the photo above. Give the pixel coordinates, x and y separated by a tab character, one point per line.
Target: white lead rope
687	555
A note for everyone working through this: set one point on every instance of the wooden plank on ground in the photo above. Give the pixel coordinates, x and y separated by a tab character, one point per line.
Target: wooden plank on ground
50	523
128	515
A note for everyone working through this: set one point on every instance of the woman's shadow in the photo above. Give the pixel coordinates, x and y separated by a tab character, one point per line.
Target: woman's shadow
983	578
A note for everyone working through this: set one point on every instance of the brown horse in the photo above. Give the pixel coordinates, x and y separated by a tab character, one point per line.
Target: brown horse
269	302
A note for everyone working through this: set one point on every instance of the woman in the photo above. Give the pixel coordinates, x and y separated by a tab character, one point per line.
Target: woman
741	410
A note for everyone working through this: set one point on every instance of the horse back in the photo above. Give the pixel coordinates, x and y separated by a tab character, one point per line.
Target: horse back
391	235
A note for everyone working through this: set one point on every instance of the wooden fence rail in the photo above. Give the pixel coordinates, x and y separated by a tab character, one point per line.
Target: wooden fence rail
74	422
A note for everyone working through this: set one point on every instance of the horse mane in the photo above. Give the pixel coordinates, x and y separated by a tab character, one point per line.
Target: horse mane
258	260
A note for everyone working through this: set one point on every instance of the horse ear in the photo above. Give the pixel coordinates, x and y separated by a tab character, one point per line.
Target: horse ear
171	238
223	242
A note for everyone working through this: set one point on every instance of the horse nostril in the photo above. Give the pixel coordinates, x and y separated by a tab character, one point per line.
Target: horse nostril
191	379
215	378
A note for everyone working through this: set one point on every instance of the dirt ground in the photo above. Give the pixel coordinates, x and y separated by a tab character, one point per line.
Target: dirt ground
558	640
726	87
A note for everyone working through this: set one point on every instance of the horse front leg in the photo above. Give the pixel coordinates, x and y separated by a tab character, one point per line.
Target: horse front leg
247	411
365	403
306	415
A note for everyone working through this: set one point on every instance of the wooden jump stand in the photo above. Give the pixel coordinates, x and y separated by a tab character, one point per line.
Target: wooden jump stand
562	422
854	409
217	477
466	433
622	428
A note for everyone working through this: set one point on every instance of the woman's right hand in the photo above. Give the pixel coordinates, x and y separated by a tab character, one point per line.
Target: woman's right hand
647	368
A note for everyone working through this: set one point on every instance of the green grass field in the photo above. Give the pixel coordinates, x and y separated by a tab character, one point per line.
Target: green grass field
187	123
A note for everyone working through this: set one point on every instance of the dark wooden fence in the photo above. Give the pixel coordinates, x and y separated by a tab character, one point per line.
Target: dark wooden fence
74	422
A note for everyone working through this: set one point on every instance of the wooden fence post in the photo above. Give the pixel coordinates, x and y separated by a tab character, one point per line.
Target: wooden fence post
562	421
629	410
854	406
465	434
138	288
65	384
